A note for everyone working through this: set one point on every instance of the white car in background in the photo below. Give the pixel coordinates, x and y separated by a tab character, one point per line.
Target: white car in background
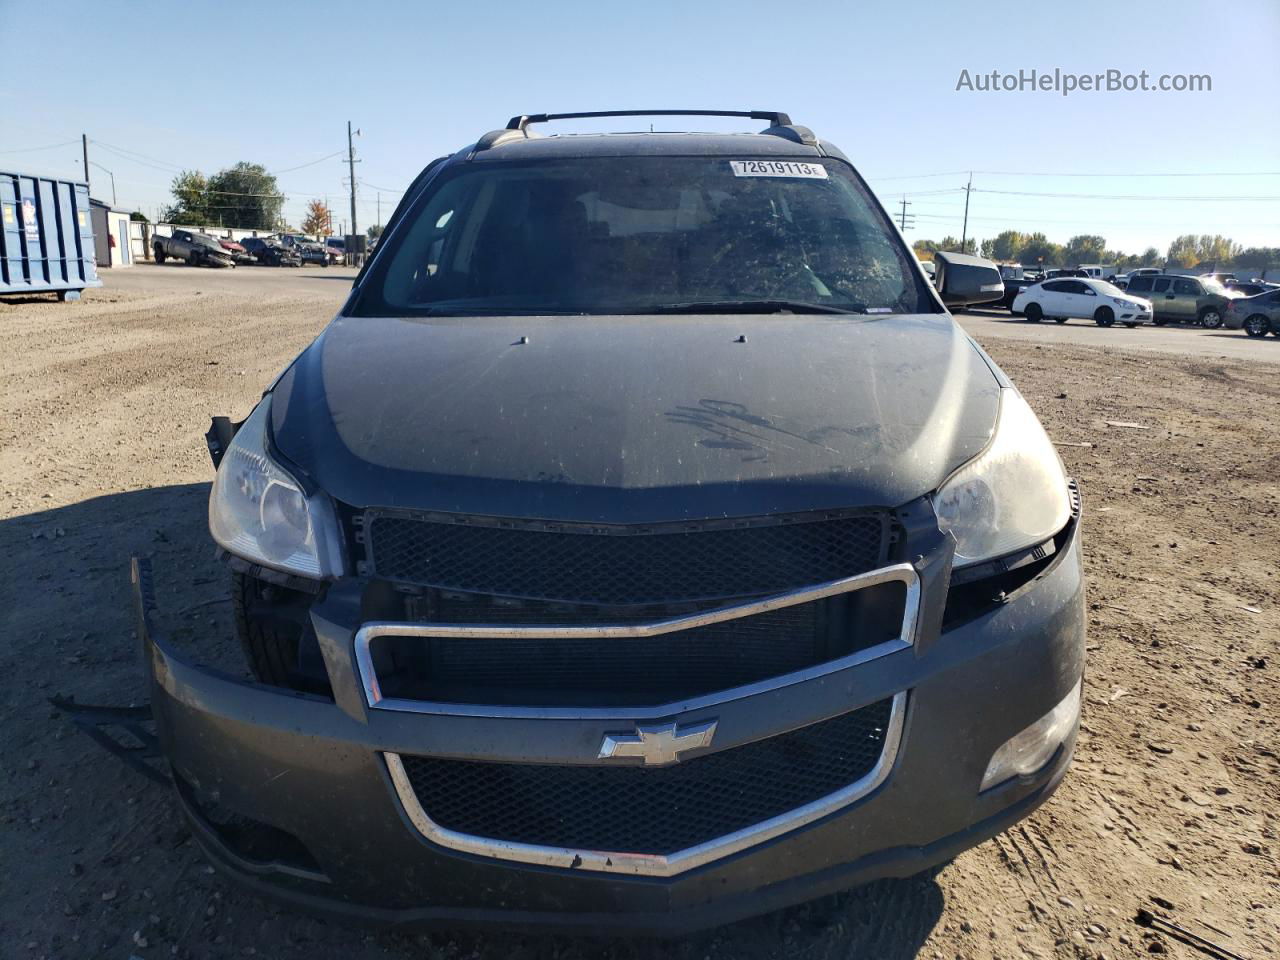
1069	297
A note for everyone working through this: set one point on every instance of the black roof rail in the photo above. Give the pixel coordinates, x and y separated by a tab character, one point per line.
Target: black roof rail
775	117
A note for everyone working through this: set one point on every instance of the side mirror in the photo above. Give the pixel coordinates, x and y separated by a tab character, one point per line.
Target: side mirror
963	279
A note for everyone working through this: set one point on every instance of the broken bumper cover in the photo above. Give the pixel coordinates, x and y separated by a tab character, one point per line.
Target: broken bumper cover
312	773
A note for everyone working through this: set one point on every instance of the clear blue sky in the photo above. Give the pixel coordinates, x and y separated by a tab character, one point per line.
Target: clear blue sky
878	79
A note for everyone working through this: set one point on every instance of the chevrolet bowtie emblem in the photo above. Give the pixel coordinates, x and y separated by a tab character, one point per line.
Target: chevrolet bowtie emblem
657	743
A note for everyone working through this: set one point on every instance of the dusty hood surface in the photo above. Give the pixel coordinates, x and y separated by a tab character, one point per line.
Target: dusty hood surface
634	419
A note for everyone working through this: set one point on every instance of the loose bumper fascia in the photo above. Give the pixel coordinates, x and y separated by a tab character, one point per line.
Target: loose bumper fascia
309	765
665	921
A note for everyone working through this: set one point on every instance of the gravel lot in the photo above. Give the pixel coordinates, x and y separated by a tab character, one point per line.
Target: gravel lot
1175	793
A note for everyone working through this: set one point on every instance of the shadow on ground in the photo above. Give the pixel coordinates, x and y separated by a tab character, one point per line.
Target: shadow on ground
65	607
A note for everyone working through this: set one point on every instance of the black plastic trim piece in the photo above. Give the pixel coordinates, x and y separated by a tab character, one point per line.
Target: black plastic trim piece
267	574
774	117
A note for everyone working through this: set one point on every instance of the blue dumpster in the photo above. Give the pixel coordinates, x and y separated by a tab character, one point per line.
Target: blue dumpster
46	236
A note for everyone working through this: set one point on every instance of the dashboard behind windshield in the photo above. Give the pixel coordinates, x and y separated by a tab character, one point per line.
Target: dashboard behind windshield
637	234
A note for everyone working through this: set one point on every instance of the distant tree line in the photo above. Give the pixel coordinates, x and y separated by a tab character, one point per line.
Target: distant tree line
1185	252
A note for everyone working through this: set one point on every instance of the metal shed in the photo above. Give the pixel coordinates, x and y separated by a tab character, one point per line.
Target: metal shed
46	236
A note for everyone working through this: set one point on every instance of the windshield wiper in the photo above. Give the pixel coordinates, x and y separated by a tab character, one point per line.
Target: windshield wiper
755	306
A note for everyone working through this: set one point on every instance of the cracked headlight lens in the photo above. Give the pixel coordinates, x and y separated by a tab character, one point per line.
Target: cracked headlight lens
257	511
1012	496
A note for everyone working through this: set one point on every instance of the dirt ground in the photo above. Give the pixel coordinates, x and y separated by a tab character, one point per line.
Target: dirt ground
1174	794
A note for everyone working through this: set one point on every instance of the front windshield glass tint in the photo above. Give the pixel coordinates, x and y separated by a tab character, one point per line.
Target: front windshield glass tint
1111	290
638	234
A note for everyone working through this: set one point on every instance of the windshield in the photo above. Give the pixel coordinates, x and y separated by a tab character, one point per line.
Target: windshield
640	234
1110	289
1213	286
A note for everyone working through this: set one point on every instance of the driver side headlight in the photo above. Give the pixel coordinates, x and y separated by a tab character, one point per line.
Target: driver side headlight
258	512
1012	496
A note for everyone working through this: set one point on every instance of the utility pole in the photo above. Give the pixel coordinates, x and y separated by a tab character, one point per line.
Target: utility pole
351	167
902	217
964	231
379	207
84	145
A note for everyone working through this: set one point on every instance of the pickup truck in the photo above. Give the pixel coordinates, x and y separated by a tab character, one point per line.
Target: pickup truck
197	249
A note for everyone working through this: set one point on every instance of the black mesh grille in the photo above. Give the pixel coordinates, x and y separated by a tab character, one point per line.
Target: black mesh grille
658	810
619	566
627	671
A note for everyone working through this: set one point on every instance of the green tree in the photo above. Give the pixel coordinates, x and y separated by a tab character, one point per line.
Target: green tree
1038	249
952	245
1008	245
1257	258
1190	250
139	217
375	231
1150	258
1216	249
1182	251
246	196
190	191
925	249
1084	248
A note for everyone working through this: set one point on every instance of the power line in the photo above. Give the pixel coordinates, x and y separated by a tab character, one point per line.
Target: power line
142	158
51	146
310	163
374	186
1040	173
1123	196
919	176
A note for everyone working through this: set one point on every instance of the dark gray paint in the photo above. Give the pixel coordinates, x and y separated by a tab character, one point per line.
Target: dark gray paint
313	768
634	419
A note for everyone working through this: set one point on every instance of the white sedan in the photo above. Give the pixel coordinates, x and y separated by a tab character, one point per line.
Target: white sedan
1070	297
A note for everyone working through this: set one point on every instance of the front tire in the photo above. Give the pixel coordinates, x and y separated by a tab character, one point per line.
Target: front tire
1258	326
1210	318
272	624
1104	316
1034	312
159	255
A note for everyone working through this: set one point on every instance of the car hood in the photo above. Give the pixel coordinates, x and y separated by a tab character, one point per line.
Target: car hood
634	419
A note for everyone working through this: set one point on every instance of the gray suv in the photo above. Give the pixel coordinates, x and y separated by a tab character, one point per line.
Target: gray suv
641	547
1177	299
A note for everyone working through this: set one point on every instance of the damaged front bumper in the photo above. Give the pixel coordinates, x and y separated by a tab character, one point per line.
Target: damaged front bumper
303	797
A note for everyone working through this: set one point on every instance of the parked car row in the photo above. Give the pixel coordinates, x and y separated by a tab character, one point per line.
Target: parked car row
201	250
1145	295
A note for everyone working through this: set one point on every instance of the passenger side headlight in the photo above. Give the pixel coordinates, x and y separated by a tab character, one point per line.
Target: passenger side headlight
1012	496
260	513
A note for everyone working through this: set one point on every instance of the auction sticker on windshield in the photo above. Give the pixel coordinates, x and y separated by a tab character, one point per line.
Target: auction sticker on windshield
778	168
